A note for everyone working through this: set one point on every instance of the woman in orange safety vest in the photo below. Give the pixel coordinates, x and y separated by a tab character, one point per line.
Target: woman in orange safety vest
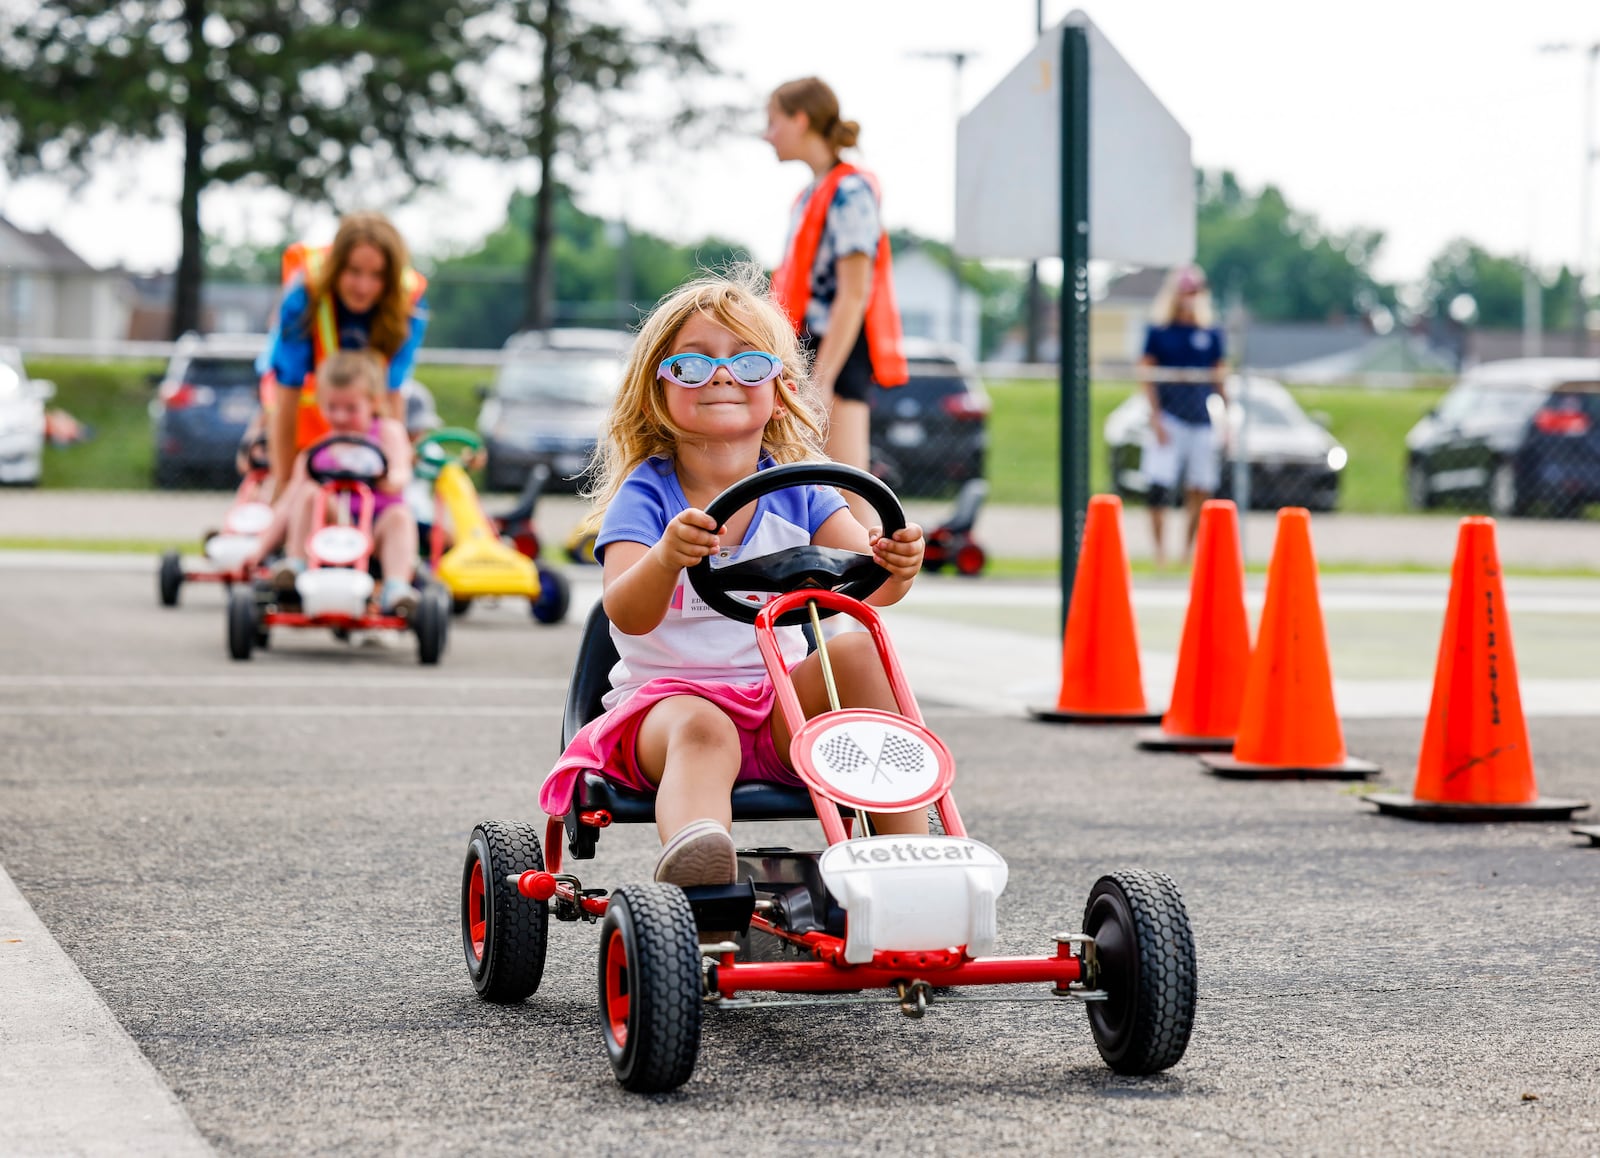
359	293
834	280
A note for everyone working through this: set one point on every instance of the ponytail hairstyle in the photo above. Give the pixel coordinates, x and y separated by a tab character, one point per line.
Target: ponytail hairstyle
820	104
391	317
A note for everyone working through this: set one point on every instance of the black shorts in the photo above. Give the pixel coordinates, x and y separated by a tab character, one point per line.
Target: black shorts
855	380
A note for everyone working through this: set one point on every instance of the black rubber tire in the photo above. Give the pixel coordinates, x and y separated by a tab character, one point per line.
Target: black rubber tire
555	598
655	934
170	578
460	606
431	621
1145	950
244	622
515	929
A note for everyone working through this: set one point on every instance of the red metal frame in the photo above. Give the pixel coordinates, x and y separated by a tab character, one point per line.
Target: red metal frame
372	621
249	488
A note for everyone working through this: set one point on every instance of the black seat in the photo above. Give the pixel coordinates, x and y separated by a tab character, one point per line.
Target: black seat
591	679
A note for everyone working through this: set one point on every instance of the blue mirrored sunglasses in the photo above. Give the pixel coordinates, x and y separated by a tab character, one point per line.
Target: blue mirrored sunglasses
751	368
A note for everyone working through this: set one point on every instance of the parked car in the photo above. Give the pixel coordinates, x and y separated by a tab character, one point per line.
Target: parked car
1293	460
931	434
22	402
547	403
204	400
1514	437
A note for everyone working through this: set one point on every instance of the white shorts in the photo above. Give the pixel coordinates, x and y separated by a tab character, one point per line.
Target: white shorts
1190	453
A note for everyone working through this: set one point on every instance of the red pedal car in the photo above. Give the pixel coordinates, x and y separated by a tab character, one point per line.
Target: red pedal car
335	591
905	920
227	549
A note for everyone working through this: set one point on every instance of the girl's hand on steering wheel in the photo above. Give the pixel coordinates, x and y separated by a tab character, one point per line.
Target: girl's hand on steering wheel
690	537
901	554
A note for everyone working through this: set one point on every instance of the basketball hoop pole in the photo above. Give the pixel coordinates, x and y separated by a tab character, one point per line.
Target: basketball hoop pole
1074	403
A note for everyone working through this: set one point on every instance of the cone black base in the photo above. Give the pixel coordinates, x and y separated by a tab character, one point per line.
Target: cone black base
1544	808
1057	716
1592	831
1230	769
1159	741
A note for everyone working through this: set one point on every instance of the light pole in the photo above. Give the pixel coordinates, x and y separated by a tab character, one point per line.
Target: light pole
1592	53
959	60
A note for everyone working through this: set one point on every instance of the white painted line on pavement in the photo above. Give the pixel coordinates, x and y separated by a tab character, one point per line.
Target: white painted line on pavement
338	683
337	711
71	1079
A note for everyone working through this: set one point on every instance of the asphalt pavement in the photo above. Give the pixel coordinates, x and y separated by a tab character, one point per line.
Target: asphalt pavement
256	866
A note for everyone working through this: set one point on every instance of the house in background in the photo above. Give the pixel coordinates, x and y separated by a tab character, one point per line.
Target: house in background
48	291
933	304
226	307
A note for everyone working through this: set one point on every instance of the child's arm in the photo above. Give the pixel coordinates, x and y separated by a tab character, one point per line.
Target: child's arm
291	495
639	580
900	555
396	447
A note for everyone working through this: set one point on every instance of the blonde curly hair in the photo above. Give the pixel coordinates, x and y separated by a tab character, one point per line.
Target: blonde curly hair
639	427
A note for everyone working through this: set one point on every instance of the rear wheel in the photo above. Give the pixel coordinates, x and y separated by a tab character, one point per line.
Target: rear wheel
244	622
460	606
650	987
431	621
170	578
1145	953
555	597
502	932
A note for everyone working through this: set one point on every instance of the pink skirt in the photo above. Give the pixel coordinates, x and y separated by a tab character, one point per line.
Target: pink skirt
607	743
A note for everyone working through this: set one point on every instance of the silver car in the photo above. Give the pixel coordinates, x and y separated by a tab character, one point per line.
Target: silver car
22	402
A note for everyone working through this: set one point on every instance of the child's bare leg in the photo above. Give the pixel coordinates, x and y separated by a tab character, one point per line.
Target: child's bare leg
394	536
689	749
298	502
858	674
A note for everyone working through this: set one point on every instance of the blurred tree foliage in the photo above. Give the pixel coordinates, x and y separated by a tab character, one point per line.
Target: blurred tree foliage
602	275
302	96
569	112
1496	284
1281	262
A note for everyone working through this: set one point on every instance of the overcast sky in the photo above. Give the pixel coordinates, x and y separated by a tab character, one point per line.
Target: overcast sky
1409	116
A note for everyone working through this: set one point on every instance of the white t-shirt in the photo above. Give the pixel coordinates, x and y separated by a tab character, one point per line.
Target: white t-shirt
694	642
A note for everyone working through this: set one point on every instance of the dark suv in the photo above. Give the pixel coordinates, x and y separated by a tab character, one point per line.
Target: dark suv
204	400
931	434
1517	437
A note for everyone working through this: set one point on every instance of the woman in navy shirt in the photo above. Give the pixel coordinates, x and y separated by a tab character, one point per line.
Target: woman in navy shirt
1181	444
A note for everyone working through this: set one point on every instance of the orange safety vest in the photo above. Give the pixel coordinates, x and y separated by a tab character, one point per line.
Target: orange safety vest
305	262
791	281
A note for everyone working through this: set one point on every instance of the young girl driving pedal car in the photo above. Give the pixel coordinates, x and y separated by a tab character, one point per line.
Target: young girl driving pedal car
715	389
350	389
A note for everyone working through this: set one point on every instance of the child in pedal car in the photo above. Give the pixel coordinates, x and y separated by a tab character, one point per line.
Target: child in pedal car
350	389
716	388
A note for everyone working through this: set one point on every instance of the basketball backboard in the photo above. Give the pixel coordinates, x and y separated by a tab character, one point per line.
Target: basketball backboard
1008	164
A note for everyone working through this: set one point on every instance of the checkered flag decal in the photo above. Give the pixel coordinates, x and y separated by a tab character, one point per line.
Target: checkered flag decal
843	754
900	752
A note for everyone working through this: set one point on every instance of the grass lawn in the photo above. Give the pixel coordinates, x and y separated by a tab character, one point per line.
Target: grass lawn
113	397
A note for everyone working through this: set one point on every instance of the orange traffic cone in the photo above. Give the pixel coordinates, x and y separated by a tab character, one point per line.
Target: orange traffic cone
1288	728
1215	652
1100	678
1475	763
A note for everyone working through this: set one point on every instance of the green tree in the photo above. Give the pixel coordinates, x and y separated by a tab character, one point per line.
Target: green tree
1497	285
590	56
1280	261
302	96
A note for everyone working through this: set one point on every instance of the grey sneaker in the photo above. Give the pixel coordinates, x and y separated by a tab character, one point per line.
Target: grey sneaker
700	853
286	572
399	598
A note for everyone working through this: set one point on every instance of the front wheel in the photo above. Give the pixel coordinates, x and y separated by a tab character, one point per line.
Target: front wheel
170	578
1145	953
650	987
555	597
1419	487
503	933
431	621
244	622
1505	492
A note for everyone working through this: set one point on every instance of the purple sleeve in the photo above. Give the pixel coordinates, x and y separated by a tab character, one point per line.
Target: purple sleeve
821	503
637	515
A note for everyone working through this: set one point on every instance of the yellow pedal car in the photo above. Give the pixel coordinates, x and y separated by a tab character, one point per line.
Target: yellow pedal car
478	563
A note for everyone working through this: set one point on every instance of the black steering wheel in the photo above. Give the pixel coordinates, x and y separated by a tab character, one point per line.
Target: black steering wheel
367	464
830	568
255	453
